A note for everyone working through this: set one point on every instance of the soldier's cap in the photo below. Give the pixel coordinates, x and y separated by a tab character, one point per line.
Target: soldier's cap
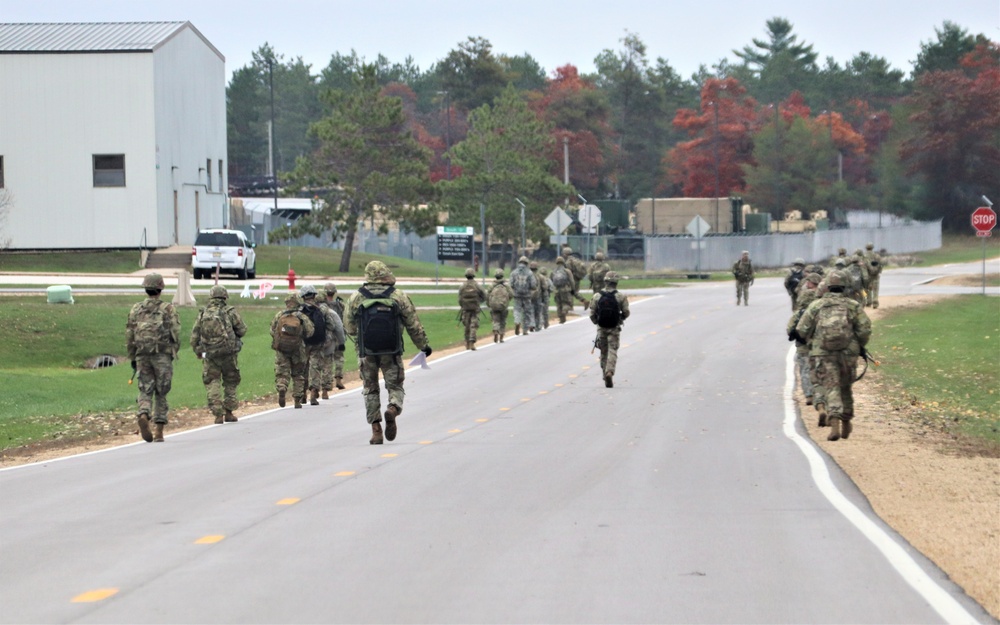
532	265
869	246
307	291
814	278
612	277
858	252
153	281
744	253
560	260
522	261
567	249
835	280
799	261
841	251
218	291
470	273
544	271
292	299
499	274
840	262
378	272
330	288
599	256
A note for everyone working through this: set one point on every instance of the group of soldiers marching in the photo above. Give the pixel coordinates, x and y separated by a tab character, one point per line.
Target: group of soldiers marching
831	329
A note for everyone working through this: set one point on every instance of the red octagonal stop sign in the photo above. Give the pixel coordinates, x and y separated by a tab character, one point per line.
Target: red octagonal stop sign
984	219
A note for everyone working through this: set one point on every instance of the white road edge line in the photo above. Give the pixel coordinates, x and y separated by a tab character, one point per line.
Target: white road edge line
939	599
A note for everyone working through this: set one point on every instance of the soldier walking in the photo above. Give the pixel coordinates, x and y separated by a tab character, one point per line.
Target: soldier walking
523	283
875	271
579	271
328	335
562	281
289	328
837	330
376	315
498	298
470	297
152	338
807	294
596	273
216	339
796	273
608	311
335	375
545	296
743	272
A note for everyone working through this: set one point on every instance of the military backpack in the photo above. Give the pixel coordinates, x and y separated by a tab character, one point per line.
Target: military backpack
288	338
520	281
379	329
315	314
151	334
560	277
215	331
499	297
834	330
609	313
468	296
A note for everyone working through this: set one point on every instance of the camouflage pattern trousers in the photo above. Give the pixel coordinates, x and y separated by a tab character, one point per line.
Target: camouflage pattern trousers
155	373
542	313
607	342
833	376
470	320
805	371
499	318
873	285
564	303
221	377
291	368
742	291
392	372
320	364
524	313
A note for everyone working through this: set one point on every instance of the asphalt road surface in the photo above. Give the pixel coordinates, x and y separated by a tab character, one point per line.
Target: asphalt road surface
519	490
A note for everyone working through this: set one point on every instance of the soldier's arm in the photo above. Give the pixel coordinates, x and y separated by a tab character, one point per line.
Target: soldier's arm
350	323
411	321
130	334
482	293
175	328
239	327
333	320
274	325
863	327
623	304
196	335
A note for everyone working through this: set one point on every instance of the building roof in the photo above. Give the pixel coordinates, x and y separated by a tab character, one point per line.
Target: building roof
68	38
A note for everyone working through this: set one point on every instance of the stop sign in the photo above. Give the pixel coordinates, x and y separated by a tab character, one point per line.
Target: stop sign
984	220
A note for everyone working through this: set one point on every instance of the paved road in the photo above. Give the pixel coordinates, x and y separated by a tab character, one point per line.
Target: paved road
519	490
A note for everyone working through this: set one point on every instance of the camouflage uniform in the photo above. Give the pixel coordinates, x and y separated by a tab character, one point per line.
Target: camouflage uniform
378	279
839	269
320	355
536	298
835	370
743	272
579	271
499	317
291	366
546	288
596	272
793	278
608	338
875	272
153	361
335	375
564	293
470	307
524	307
805	294
220	372
858	270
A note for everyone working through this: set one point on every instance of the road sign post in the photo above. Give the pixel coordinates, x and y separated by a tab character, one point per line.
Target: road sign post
984	219
698	228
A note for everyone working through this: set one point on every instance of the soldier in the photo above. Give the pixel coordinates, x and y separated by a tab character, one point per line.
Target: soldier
216	341
536	297
596	272
875	271
608	311
523	282
837	330
576	267
470	297
376	315
498	298
336	304
858	272
743	272
546	287
319	355
289	329
792	279
841	253
806	295
562	281
152	337
840	269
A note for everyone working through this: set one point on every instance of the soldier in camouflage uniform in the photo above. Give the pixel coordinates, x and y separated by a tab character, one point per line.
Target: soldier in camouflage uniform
470	297
498	297
216	341
546	287
743	272
793	277
562	281
379	282
152	338
858	269
841	253
291	364
608	337
836	329
536	298
596	272
579	271
524	284
875	271
320	351
335	376
805	295
840	269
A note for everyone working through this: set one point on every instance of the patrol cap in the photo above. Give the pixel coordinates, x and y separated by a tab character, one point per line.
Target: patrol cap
470	273
291	300
522	261
840	262
567	249
599	256
814	278
869	246
544	271
218	291
835	280
330	288
560	260
307	291
532	265
841	251
153	281
378	272
612	277
858	252
799	261
499	274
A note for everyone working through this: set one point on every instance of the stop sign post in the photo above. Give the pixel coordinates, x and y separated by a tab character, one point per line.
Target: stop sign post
984	219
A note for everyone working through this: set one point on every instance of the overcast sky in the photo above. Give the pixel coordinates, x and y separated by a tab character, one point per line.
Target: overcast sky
555	32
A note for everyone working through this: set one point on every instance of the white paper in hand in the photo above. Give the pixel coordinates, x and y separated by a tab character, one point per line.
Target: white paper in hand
420	359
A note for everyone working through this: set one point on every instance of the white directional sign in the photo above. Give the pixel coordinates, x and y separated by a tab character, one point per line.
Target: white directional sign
558	220
698	227
590	216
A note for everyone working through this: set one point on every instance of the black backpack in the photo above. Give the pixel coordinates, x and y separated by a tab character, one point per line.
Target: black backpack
379	331
609	314
315	315
794	279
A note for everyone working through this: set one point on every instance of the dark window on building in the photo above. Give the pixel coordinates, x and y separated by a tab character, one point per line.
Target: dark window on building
109	170
208	173
220	176
1	172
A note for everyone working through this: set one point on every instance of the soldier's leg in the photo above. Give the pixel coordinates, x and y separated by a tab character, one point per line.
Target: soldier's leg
146	381
874	291
518	316
802	364
300	369
613	338
211	377
282	376
474	328
602	347
164	367
338	368
231	379
394	373
503	323
850	372
529	315
819	389
368	368
833	382
326	373
739	291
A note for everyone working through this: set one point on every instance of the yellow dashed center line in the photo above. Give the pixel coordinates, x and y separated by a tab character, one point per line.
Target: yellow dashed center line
287	501
455	431
481	420
425	442
384	456
343	474
94	595
505	409
543	392
209	540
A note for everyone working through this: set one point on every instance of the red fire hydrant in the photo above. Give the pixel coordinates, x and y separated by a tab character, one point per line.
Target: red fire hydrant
291	280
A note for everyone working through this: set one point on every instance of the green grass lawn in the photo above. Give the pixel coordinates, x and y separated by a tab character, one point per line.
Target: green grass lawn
71	262
960	249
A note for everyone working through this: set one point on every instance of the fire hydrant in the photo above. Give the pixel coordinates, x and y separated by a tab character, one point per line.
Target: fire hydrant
291	280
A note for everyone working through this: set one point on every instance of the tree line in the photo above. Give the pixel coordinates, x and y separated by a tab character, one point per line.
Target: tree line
480	132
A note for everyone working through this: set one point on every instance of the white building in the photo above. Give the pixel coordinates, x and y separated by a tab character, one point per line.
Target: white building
112	135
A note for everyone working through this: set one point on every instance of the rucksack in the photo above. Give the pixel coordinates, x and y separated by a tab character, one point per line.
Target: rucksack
499	297
216	334
609	314
315	314
468	296
834	330
857	276
560	277
151	334
577	268
379	330
794	279
288	339
520	281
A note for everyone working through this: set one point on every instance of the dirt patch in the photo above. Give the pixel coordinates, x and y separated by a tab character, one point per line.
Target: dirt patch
967	280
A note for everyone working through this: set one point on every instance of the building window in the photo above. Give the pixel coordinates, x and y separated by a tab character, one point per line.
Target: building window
1	171
208	174
109	170
220	176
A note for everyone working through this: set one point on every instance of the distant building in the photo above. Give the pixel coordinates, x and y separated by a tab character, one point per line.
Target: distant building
112	135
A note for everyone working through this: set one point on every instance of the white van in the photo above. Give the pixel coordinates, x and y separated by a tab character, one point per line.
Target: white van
229	250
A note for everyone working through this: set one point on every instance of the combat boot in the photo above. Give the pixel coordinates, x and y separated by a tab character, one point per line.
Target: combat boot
562	319
376	434
298	402
472	345
230	417
809	401
834	429
340	383
218	419
517	329
496	337
845	427
821	408
157	432
314	397
281	398
608	380
325	394
390	421
143	421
